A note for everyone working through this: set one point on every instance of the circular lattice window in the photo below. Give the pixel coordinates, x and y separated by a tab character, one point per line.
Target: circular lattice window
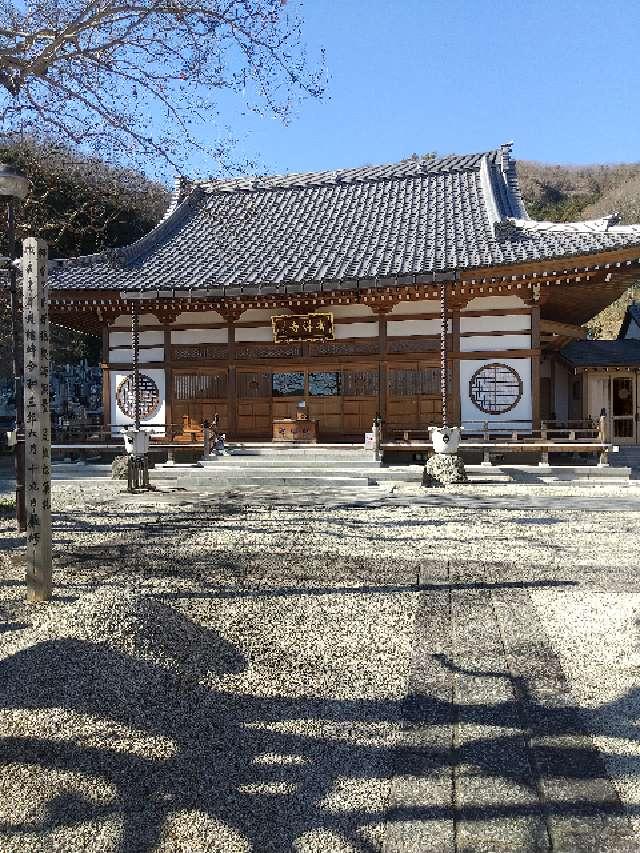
495	388
149	396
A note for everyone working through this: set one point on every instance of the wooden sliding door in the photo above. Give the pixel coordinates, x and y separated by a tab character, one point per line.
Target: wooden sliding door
360	400
199	394
254	404
413	395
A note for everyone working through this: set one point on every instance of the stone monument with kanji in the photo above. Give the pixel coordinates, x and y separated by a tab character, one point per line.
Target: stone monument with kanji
37	420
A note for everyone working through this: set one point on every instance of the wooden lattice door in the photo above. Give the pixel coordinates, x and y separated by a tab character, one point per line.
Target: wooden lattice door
413	396
360	401
254	404
199	394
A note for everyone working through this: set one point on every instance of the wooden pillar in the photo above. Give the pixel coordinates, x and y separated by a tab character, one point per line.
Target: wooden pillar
168	385
382	365
535	366
135	346
444	352
106	381
454	362
232	392
37	420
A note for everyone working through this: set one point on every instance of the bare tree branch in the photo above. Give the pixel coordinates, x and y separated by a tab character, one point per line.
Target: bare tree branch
70	65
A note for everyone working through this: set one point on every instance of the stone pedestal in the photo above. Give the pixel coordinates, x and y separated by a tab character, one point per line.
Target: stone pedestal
443	469
119	468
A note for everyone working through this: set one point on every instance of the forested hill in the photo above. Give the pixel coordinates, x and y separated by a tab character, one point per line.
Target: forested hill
566	193
79	205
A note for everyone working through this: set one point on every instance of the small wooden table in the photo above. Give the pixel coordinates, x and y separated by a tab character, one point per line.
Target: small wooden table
295	431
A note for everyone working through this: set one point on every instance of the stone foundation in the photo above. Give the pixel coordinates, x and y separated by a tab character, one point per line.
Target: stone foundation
443	469
119	468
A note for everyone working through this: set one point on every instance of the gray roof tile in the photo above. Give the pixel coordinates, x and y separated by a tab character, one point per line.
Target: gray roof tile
602	353
631	317
414	217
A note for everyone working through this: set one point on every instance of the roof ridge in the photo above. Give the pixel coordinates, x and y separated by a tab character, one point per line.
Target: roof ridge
488	193
501	189
169	221
408	167
511	181
608	224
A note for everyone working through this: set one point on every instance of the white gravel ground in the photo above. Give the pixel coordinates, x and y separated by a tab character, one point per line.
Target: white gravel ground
222	678
596	635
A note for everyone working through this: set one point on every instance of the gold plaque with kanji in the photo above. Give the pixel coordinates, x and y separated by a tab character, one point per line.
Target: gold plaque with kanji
292	328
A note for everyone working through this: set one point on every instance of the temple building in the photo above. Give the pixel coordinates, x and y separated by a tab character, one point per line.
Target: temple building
257	295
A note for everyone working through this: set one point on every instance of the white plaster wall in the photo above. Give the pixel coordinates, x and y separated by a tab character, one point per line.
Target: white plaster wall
117	417
562	391
199	317
123	339
201	336
492	303
259	333
496	323
477	343
421	306
345	310
124	320
519	417
125	356
355	330
402	328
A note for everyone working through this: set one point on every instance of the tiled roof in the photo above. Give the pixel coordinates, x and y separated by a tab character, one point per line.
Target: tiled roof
602	353
415	217
632	315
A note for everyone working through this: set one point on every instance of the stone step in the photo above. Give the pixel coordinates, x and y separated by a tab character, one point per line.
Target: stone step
338	475
244	462
324	451
242	473
272	480
553	473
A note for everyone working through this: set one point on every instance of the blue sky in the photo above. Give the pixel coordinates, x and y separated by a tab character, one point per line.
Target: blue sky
561	79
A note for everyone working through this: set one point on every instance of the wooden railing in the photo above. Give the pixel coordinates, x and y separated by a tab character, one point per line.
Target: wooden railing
83	437
583	436
579	436
549	431
77	433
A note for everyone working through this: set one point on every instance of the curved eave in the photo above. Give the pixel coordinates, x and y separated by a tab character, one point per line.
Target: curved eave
562	264
115	257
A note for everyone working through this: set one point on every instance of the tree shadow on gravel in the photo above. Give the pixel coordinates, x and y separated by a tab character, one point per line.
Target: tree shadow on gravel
267	766
225	746
9	541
